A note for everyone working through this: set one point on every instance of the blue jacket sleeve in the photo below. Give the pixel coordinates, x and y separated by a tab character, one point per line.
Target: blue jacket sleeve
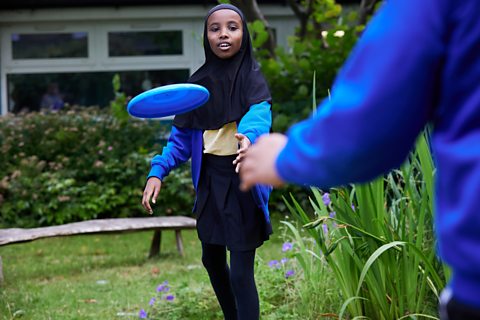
381	100
257	121
177	151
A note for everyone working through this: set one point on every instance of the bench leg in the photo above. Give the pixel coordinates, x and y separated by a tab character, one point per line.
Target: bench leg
178	236
156	243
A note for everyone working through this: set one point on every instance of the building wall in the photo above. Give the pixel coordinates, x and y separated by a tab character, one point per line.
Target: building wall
97	23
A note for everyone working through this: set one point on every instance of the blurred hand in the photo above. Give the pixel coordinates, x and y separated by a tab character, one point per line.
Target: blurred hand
244	143
151	191
258	163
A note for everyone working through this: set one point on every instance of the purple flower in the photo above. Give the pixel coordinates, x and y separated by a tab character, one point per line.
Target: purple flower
353	207
152	301
332	214
325	228
287	246
274	264
283	261
170	297
289	274
163	287
326	199
142	314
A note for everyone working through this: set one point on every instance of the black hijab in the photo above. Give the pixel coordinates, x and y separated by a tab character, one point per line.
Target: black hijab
234	84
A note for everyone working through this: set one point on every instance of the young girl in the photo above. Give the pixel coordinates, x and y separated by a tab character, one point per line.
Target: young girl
216	136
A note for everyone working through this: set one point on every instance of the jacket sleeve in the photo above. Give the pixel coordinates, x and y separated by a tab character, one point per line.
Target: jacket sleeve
257	121
381	100
177	151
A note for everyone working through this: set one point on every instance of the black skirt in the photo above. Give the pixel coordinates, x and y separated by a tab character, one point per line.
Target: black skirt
225	214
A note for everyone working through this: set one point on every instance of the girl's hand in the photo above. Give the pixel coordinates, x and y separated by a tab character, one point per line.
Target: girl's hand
152	188
243	143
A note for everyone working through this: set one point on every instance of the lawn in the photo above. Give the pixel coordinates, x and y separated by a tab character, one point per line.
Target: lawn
110	277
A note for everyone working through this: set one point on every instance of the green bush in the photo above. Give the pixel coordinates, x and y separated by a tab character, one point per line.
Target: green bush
323	50
377	238
81	164
290	74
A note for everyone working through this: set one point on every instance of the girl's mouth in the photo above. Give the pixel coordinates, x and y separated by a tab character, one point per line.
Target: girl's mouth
224	45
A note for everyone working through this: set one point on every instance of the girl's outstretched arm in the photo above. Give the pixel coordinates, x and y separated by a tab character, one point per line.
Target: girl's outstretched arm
177	151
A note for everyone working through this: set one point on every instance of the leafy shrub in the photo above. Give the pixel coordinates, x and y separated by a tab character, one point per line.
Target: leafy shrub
290	74
322	50
378	240
80	164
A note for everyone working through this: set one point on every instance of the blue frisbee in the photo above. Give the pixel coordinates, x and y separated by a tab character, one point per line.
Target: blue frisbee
168	100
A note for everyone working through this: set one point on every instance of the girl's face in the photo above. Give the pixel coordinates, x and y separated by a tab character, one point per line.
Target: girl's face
225	33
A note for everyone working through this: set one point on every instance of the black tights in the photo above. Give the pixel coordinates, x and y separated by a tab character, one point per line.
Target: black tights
235	286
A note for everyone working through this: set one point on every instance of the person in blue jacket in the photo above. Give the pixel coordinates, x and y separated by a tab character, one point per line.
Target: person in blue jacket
215	137
418	62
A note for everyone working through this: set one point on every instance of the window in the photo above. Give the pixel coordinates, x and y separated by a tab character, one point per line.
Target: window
29	91
145	43
49	45
50	65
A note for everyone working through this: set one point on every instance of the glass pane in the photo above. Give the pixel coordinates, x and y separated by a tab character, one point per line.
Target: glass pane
148	43
29	92
49	45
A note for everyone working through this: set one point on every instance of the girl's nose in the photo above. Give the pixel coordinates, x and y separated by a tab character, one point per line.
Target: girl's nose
223	33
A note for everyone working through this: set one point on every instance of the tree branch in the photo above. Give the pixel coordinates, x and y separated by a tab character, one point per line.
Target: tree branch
252	12
303	14
366	9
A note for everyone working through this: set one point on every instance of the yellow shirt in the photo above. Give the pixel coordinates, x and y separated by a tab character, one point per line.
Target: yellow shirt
221	142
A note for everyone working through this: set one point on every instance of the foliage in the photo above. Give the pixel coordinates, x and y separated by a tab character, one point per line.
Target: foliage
316	277
378	240
117	105
80	164
323	50
326	10
290	75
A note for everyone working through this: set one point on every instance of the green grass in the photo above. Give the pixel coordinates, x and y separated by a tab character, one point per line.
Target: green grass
87	277
110	277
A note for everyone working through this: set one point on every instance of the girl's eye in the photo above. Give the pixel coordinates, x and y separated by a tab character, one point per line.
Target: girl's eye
214	29
233	28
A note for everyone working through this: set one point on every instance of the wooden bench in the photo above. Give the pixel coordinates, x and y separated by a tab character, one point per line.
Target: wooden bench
117	225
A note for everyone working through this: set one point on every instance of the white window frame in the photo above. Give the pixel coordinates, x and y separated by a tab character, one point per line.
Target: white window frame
98	59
